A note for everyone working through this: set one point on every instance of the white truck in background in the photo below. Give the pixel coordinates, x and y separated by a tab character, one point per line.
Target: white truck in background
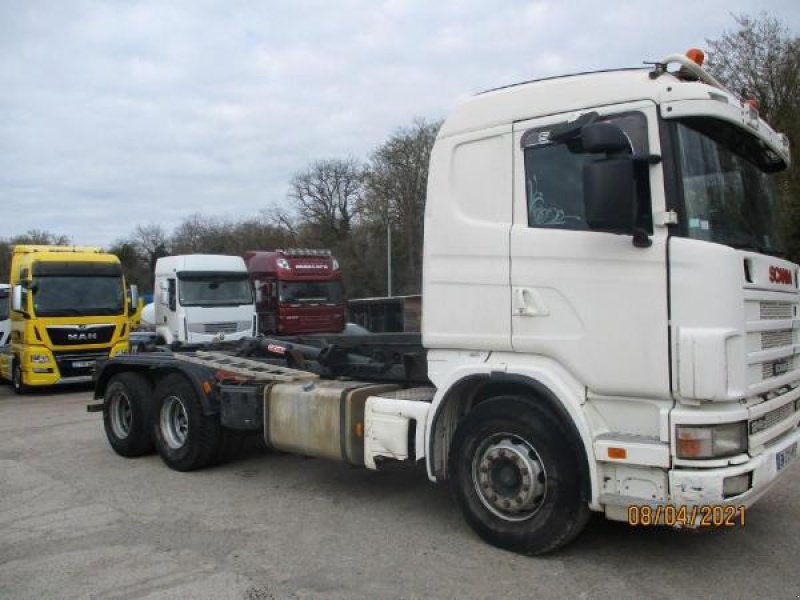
607	323
202	298
5	321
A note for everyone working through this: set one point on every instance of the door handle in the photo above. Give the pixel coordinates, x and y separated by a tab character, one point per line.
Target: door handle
528	303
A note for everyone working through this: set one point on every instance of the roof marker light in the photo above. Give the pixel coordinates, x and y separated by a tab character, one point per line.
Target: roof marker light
696	55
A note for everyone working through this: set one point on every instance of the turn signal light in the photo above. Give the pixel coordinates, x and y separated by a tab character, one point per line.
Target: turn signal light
696	56
620	453
359	429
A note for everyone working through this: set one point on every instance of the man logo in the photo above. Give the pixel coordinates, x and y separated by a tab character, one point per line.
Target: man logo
83	336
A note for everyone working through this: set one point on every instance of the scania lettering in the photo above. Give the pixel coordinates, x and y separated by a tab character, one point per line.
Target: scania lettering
606	323
69	308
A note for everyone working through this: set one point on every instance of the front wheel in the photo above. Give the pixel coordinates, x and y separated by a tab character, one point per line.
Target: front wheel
17	380
186	439
515	471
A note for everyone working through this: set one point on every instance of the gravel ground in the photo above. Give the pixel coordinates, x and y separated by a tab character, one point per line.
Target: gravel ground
78	521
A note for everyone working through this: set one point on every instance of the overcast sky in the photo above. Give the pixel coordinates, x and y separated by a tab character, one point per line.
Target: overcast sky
119	113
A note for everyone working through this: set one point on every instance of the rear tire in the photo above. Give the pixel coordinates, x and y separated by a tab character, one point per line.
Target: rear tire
128	414
186	439
516	473
17	380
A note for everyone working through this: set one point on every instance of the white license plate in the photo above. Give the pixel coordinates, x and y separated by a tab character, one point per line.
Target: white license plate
785	456
82	364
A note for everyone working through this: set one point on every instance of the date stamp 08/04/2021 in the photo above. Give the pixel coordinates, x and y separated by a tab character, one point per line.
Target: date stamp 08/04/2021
670	515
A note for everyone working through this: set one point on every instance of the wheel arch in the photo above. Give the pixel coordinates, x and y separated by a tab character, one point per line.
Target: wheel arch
469	391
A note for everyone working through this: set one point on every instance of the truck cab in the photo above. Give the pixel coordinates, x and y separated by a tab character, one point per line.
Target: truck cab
202	298
68	308
631	281
298	291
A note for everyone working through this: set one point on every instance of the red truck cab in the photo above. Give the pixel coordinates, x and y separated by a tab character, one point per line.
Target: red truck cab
298	291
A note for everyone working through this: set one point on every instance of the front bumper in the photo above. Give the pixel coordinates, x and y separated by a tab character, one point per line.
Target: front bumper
693	487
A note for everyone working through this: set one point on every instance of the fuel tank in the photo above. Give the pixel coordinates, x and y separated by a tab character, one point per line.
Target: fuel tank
320	418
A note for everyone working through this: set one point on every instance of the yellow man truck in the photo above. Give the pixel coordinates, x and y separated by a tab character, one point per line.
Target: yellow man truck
68	307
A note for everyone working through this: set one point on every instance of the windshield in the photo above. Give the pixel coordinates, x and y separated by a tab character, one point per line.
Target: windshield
3	305
310	292
214	290
729	200
77	295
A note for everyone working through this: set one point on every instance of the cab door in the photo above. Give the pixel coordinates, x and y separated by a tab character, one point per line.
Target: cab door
589	300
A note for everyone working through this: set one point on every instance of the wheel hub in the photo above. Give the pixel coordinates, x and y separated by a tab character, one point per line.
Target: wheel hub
509	477
174	422
121	415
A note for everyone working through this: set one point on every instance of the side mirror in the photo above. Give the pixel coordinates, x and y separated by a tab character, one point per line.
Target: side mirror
164	284
16	299
597	138
133	296
257	287
165	297
608	187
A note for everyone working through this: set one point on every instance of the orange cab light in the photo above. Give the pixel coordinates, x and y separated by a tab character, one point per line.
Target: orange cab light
696	55
359	429
206	388
617	453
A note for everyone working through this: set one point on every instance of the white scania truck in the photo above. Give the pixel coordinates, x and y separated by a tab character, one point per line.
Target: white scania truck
202	298
607	323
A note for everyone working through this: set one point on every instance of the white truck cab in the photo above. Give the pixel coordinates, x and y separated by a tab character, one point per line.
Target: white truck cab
605	247
5	322
202	298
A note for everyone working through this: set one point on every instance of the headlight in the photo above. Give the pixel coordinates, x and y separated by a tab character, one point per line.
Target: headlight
711	441
40	358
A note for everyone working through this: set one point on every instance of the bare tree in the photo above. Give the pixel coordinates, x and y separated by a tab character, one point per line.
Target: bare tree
328	195
40	236
397	185
152	242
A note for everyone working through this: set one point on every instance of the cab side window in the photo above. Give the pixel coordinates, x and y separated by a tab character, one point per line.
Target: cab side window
554	175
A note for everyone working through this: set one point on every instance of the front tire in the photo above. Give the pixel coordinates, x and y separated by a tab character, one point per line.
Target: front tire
17	380
186	439
128	414
516	473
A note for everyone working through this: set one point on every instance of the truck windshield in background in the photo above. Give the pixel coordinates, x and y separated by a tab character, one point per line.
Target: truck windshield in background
3	305
67	289
310	292
730	197
214	290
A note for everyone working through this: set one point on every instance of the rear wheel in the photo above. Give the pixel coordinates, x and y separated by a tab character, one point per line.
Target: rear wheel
186	439
17	379
128	414
515	471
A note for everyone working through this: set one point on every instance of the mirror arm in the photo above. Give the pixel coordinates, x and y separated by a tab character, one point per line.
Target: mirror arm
650	159
641	239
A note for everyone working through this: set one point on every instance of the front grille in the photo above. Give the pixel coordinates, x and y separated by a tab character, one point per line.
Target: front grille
78	364
775	339
80	335
776	368
776	310
772	418
220	327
